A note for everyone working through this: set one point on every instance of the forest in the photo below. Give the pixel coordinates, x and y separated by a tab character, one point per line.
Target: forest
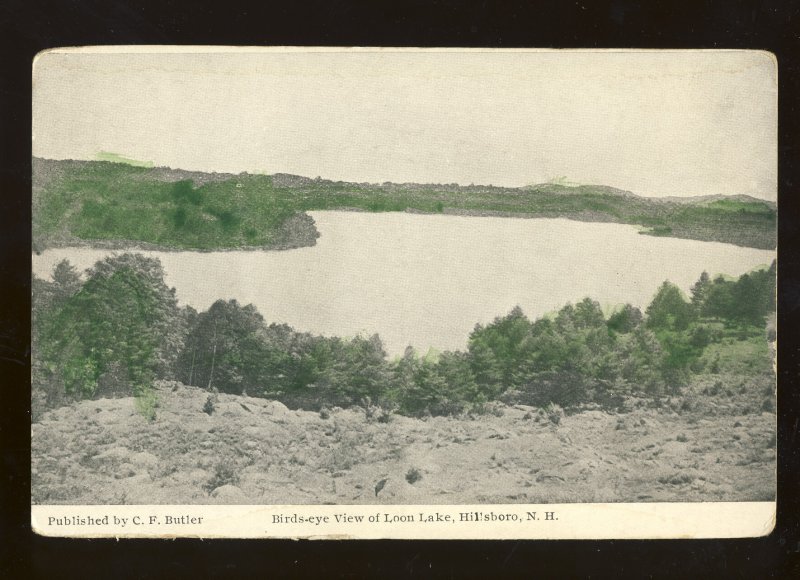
118	328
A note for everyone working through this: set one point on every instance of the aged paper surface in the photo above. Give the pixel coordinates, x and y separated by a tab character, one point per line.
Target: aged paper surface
403	293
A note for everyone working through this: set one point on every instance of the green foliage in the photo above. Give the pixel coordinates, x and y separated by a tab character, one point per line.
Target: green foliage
352	371
669	310
117	158
443	387
116	201
700	292
123	317
746	301
732	205
641	355
112	201
573	358
625	320
499	350
230	348
47	299
224	349
146	403
568	388
121	329
744	357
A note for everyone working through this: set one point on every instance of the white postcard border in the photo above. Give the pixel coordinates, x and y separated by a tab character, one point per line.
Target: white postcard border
336	522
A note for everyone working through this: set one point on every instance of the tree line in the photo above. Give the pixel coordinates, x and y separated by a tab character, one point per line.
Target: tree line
120	328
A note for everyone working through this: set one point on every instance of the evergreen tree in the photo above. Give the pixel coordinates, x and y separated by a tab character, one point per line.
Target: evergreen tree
625	320
669	310
227	349
588	314
720	300
642	358
700	291
124	320
47	299
503	345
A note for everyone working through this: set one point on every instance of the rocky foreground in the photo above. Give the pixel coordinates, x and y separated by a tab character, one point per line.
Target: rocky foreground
256	451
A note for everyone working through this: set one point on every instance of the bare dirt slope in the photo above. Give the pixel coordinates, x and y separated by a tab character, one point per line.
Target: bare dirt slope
255	451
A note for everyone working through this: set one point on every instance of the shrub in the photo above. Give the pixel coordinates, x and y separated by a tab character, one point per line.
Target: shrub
374	412
413	475
224	474
555	413
493	408
147	403
676	479
714	366
561	387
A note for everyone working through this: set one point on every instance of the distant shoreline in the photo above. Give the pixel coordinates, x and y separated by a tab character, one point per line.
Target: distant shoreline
109	205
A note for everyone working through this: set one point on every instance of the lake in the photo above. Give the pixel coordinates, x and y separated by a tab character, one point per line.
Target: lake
425	280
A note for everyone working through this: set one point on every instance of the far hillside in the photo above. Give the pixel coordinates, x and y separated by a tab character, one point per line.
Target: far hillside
112	204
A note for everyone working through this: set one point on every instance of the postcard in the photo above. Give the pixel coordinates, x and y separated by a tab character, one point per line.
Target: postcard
403	293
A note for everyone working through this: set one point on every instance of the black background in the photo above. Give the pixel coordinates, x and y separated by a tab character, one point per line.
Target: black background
28	27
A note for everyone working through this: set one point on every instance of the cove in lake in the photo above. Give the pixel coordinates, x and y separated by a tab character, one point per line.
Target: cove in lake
425	280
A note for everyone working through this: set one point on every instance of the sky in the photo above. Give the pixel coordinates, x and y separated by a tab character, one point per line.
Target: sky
657	123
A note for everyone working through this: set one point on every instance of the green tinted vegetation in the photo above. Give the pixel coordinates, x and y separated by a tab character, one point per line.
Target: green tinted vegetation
741	206
117	202
115	333
115	158
120	329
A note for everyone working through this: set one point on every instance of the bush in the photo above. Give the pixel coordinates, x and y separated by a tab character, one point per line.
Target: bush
208	408
676	479
714	366
224	474
554	413
560	387
147	403
110	336
374	412
493	408
413	475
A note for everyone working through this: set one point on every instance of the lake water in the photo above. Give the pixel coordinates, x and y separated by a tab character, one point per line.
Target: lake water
425	280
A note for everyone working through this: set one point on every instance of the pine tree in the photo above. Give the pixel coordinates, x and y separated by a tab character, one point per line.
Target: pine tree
669	310
699	292
123	319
